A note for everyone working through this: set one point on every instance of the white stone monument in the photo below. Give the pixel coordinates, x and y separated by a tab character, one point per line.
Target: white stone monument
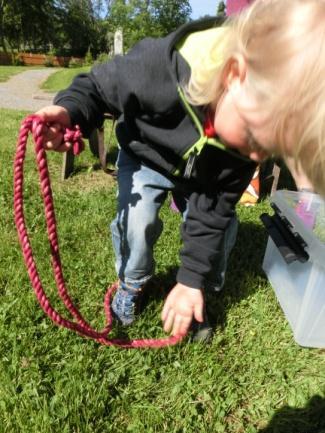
118	42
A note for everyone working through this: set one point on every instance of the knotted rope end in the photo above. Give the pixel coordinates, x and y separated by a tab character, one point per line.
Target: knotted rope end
75	137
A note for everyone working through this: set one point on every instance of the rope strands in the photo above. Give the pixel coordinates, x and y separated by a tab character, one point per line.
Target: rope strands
34	124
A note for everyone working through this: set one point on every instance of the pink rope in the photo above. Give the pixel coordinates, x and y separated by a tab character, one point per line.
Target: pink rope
35	125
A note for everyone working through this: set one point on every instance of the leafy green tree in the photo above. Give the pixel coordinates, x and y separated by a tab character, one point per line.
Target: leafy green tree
170	14
2	24
75	26
140	18
25	24
221	9
9	24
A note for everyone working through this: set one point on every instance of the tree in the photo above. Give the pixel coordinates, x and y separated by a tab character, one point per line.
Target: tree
140	18
2	24
74	26
221	10
170	14
25	24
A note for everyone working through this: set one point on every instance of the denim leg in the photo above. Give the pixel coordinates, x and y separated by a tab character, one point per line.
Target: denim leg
217	278
137	226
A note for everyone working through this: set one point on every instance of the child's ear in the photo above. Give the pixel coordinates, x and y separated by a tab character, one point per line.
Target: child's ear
234	73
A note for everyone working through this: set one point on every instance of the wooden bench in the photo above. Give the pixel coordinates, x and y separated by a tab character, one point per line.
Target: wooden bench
97	147
269	178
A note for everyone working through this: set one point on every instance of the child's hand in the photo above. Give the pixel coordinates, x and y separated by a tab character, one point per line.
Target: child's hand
182	304
56	118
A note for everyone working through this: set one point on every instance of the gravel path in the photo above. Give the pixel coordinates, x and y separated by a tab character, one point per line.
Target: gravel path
22	91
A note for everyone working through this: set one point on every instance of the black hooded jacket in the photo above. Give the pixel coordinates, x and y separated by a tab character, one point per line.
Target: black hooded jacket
143	90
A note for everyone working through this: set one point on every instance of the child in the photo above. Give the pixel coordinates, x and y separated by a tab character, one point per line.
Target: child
197	110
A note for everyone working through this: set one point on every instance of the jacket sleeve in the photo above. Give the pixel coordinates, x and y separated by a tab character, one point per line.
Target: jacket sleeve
209	214
85	103
126	84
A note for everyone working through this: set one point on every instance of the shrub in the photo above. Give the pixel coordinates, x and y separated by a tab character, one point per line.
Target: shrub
102	58
17	60
49	59
76	62
88	58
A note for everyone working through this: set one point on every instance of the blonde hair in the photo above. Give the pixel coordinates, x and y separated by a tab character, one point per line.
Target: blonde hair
283	42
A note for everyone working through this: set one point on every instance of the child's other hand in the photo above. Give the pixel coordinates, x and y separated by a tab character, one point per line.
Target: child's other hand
182	304
56	118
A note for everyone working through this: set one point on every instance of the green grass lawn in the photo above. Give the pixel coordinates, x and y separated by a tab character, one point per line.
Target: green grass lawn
252	378
62	78
8	71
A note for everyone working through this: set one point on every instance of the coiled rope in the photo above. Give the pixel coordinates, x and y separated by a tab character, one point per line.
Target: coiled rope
34	124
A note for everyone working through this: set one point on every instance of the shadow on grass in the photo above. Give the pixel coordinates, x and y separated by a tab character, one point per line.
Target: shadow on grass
84	168
310	419
244	272
244	269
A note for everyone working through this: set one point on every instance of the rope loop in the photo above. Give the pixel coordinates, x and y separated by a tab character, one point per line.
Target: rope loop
74	137
35	125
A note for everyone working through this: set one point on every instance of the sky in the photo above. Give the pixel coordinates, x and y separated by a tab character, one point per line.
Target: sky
203	7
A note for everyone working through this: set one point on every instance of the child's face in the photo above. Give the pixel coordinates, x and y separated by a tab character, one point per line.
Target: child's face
240	126
237	120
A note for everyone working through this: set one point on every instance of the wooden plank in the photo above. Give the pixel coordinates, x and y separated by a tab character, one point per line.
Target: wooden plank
93	143
97	147
102	148
67	164
276	175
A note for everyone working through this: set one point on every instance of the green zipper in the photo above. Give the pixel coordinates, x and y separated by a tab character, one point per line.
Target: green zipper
198	146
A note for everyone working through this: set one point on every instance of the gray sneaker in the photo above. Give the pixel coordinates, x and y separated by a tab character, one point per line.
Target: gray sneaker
126	303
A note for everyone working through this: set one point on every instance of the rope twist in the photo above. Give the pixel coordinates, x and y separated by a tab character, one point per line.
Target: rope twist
35	125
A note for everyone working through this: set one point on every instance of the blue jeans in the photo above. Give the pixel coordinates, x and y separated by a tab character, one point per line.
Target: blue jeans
137	226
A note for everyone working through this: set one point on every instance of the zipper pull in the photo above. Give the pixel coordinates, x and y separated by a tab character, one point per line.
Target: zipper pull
190	165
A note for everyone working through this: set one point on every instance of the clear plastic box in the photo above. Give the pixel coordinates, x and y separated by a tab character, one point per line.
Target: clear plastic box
294	262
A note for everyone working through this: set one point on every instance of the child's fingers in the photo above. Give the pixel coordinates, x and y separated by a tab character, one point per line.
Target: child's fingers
54	130
181	325
57	146
64	147
53	138
165	310
198	312
175	323
169	321
53	144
